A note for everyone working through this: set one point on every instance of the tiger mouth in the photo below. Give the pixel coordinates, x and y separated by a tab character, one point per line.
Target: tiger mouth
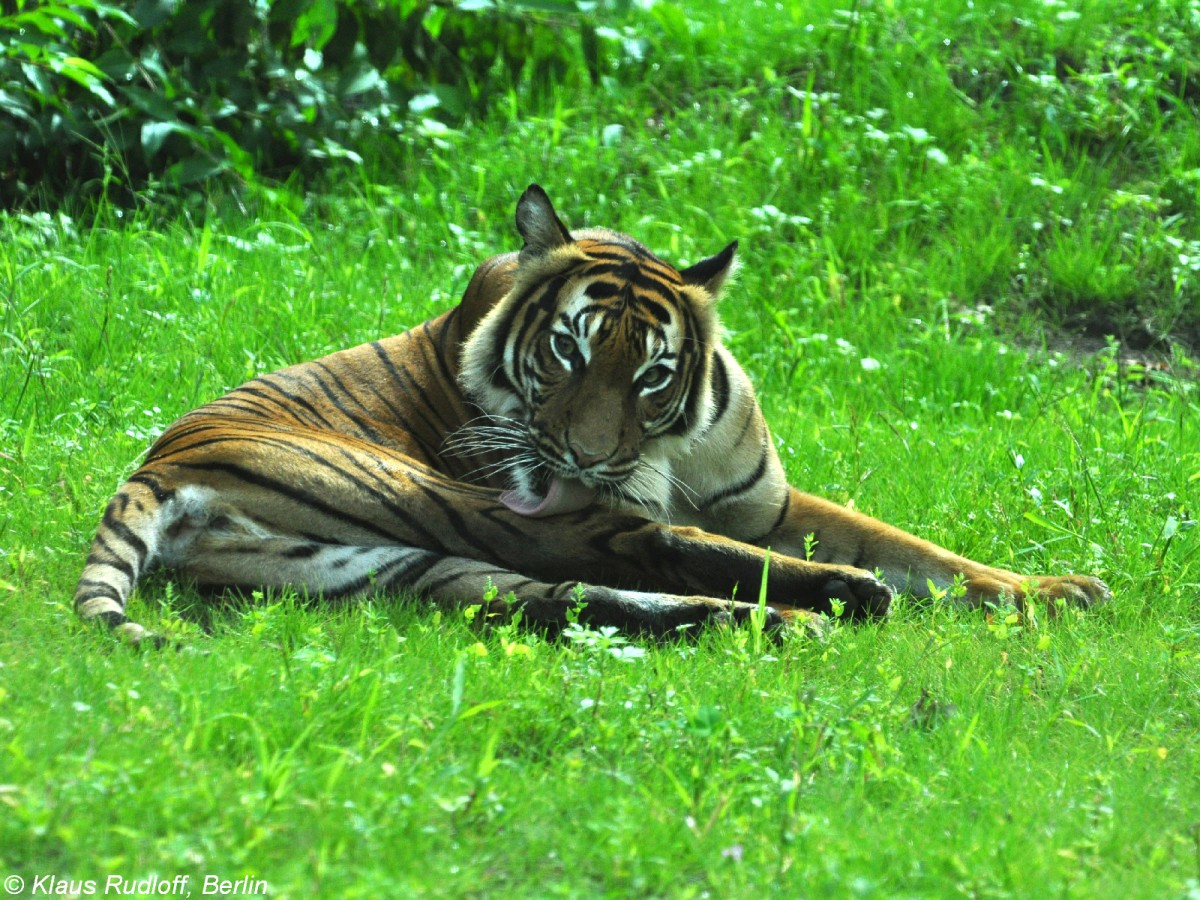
561	495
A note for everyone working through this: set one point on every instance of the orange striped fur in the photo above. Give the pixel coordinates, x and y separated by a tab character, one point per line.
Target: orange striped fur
574	429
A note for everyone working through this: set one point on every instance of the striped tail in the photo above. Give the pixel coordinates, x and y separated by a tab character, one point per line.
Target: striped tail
126	544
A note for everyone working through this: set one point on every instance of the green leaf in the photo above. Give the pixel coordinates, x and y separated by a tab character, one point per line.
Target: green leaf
193	169
30	435
35	21
83	75
155	133
550	6
152	13
1170	528
40	80
478	708
80	64
359	80
673	20
316	25
15	105
1038	519
236	156
152	104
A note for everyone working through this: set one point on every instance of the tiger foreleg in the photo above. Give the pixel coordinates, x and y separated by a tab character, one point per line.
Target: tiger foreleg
692	560
826	532
336	571
683	577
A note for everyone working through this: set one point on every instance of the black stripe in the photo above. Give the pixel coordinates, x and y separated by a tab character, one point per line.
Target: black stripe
125	533
276	408
440	357
190	425
720	387
386	577
687	411
293	399
241	405
301	551
783	511
518	586
115	561
659	311
635	253
741	487
291	492
406	385
161	494
637	276
779	520
363	425
433	588
222	437
97	589
601	290
416	566
647	283
619	254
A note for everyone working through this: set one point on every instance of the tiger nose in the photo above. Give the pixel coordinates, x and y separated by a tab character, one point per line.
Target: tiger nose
585	456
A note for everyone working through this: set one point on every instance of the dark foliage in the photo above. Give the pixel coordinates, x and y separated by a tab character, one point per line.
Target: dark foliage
96	95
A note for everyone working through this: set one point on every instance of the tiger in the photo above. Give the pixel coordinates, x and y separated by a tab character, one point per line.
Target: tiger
571	442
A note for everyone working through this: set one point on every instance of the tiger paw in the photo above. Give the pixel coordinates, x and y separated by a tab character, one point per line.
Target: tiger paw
859	595
1075	590
734	613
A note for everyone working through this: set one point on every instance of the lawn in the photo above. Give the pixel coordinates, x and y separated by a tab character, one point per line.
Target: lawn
970	300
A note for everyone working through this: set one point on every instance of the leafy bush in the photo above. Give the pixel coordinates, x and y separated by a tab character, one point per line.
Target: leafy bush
96	93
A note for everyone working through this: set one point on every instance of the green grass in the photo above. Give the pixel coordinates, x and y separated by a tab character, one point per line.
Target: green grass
390	749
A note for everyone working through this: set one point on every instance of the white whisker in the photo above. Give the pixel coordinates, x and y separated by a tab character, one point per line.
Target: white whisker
639	488
686	490
485	434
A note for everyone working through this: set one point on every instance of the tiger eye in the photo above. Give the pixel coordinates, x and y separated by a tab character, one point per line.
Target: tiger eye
655	377
564	345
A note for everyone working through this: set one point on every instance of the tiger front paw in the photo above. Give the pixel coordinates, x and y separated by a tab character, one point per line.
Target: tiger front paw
777	622
732	612
1075	590
859	594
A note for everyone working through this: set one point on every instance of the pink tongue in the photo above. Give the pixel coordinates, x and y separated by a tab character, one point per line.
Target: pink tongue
562	496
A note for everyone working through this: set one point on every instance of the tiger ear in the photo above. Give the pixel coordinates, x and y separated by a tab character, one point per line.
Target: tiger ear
539	224
712	273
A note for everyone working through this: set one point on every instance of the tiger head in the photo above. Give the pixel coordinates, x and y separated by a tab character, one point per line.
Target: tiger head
593	371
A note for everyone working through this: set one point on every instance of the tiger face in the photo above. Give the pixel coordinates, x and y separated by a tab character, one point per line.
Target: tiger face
593	370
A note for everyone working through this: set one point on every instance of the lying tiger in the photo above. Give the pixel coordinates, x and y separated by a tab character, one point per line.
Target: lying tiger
572	432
